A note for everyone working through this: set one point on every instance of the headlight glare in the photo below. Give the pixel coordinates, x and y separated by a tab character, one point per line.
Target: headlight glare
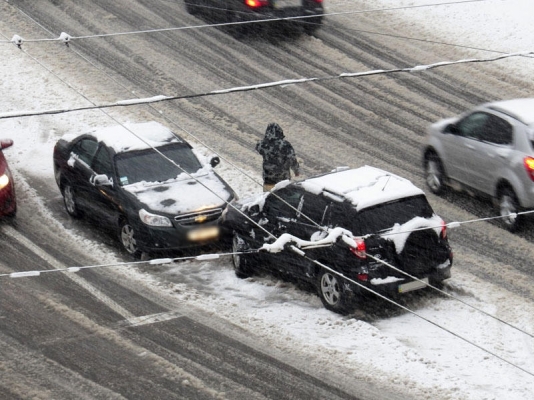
4	181
153	219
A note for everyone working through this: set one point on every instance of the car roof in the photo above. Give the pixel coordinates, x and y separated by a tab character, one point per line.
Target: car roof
363	187
520	109
121	139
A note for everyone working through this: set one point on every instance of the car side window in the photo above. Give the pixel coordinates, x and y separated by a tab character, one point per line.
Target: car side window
313	207
497	131
474	125
85	149
285	203
102	162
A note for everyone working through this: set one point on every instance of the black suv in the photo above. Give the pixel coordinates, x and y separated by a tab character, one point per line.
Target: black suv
389	220
307	13
148	185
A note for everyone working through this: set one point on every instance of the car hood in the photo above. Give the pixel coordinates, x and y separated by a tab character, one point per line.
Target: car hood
183	194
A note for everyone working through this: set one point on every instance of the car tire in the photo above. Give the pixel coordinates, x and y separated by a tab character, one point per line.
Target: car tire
434	173
69	199
128	240
332	293
508	204
241	262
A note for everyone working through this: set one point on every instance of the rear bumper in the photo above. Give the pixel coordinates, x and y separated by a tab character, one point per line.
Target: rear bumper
394	286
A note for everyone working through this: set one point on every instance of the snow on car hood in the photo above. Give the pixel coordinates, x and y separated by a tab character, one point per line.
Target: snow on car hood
399	233
184	194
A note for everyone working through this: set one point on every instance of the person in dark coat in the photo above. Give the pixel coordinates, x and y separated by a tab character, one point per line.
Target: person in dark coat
278	157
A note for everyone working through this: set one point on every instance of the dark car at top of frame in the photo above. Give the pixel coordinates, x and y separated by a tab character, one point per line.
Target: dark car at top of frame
8	201
389	219
306	13
149	186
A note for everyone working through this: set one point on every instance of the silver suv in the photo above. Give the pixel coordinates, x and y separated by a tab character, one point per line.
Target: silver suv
488	151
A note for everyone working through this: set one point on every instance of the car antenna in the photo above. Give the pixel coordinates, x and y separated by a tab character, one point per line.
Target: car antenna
385	184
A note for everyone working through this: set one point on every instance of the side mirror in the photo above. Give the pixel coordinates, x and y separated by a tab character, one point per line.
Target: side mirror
451	128
5	143
254	210
215	161
101	180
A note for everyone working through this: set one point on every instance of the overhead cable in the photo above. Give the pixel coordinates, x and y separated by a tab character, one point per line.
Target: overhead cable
261	86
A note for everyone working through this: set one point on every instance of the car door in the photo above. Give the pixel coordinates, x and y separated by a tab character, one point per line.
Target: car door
105	193
460	143
79	172
281	210
491	153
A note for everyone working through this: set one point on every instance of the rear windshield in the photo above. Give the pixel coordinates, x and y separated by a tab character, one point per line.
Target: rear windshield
150	166
385	216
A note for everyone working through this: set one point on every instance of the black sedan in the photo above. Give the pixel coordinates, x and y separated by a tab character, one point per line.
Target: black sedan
306	13
350	234
146	183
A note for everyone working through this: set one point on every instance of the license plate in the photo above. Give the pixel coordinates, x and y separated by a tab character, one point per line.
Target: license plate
287	3
199	235
415	285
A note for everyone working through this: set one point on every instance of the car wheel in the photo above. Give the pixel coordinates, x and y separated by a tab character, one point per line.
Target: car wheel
128	239
508	204
241	262
434	173
332	293
69	198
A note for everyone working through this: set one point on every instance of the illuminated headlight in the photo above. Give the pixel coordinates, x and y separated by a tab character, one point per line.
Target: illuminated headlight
153	219
4	181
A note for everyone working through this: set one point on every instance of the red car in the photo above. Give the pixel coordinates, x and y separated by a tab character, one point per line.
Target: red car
8	204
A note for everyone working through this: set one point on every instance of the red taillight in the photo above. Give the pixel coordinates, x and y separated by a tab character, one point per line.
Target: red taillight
359	250
256	3
529	166
363	277
443	230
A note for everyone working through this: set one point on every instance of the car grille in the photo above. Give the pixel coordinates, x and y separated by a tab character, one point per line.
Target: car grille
199	217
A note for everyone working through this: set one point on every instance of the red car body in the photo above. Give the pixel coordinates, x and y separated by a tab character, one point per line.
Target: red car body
8	203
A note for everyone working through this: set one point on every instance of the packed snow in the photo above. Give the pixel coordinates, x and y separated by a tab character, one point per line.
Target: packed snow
404	351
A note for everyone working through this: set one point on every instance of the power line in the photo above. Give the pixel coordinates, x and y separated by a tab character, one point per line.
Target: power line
262	86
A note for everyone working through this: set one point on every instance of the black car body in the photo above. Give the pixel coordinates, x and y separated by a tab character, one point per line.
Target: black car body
307	13
389	220
147	185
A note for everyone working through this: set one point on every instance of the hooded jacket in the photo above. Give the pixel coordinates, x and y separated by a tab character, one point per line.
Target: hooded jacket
278	155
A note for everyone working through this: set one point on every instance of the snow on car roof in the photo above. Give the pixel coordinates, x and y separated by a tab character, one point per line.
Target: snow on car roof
364	187
121	139
521	109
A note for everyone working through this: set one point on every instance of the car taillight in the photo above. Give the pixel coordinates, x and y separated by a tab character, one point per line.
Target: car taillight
359	250
362	277
529	166
256	3
443	230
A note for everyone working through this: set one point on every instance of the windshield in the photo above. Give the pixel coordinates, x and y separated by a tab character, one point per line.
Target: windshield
150	166
385	216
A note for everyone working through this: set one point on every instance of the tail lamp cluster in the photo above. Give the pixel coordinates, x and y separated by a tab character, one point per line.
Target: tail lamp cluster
264	3
528	162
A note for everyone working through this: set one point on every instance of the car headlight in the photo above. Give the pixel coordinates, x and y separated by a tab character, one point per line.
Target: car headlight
4	181
153	219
